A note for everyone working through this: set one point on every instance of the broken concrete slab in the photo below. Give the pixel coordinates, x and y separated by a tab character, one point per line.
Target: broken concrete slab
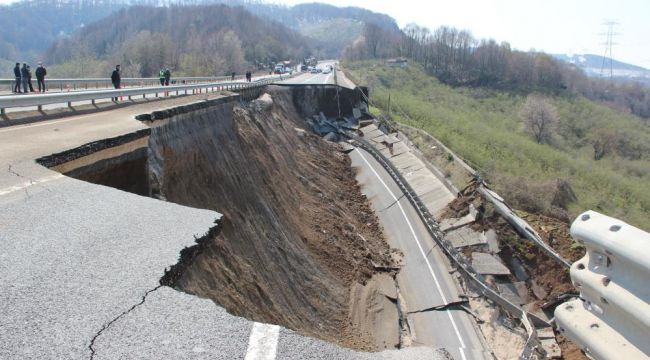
538	290
492	241
546	333
553	350
511	293
455	223
488	264
356	112
465	236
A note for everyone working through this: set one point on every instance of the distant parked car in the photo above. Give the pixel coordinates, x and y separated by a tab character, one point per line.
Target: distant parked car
327	70
315	70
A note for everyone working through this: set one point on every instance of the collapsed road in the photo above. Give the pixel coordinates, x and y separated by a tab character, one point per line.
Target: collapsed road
268	220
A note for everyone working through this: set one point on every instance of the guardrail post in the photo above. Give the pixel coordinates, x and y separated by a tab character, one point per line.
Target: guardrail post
39	107
2	111
70	104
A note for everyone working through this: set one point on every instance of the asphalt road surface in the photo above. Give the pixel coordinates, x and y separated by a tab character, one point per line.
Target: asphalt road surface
425	281
80	264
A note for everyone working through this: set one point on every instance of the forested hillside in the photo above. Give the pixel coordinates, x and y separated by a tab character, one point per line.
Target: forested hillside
456	58
603	155
28	28
192	40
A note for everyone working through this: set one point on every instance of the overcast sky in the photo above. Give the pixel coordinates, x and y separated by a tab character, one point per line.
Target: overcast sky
553	26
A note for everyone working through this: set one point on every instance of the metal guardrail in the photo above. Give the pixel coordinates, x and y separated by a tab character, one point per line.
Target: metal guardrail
87	83
13	101
532	349
520	225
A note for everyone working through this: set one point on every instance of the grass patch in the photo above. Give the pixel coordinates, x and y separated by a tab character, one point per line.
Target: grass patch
483	127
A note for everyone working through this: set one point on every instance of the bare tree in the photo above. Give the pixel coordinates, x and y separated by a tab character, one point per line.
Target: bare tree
604	142
540	118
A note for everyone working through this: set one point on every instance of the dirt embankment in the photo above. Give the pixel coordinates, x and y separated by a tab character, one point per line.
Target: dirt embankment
296	234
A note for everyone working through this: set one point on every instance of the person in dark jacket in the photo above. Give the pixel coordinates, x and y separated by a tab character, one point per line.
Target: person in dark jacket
116	79
168	76
24	76
40	77
18	81
29	78
232	76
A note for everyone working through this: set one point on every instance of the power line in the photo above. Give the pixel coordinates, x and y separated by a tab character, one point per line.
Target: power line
609	44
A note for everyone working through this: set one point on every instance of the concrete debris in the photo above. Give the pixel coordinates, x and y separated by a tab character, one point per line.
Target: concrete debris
465	236
300	132
519	270
455	223
263	103
346	147
488	264
511	292
545	333
552	349
492	241
539	291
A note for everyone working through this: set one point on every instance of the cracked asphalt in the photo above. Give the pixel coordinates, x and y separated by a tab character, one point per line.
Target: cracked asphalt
80	263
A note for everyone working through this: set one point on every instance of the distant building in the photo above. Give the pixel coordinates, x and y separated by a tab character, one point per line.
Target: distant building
398	62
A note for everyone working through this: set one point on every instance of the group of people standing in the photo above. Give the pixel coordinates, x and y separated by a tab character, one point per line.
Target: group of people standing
24	77
164	75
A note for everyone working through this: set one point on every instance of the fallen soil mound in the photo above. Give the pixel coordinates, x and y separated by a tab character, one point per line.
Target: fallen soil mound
296	232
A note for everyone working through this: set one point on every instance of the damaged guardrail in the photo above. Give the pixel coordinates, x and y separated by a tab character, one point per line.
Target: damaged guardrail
14	101
520	225
533	348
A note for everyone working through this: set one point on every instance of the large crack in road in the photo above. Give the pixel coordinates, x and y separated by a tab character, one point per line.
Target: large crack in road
296	237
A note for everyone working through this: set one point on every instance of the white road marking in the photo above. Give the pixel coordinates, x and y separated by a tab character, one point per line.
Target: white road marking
27	184
263	342
417	241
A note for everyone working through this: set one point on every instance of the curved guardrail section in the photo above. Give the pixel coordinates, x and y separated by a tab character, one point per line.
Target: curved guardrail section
611	319
533	348
522	227
13	101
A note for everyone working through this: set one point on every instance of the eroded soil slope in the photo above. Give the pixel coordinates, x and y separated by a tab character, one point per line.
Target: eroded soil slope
296	233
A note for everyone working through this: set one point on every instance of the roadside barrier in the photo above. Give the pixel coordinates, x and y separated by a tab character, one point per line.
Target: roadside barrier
533	349
13	101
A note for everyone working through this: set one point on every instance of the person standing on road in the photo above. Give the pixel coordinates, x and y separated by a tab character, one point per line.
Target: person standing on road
40	77
168	76
232	77
24	76
29	78
116	79
161	76
17	76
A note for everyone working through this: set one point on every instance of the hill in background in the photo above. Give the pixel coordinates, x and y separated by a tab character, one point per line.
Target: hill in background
593	65
30	27
192	40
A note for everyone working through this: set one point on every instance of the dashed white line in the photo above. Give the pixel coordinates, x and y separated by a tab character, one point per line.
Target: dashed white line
263	342
417	241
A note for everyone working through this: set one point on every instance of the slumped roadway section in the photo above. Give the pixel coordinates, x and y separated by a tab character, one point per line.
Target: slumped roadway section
424	281
80	264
